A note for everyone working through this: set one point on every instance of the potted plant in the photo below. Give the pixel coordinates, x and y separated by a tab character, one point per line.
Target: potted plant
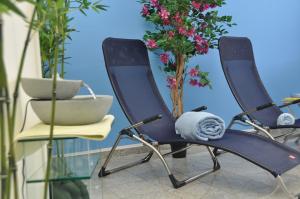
183	29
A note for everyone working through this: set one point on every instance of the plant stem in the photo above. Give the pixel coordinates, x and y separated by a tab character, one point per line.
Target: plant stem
50	143
2	148
2	116
11	119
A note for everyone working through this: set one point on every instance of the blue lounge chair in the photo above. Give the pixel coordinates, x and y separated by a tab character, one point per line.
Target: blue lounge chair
129	71
240	70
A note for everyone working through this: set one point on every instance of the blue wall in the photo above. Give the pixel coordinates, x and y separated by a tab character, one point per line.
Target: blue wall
273	27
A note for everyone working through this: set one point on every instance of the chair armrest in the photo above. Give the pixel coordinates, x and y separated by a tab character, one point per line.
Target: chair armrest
259	108
201	108
291	103
145	121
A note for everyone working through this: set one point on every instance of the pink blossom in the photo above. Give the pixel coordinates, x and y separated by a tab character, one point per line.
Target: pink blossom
151	43
155	3
196	5
191	32
198	39
193	82
164	14
171	34
182	31
166	22
202	47
145	10
213	5
205	7
171	82
194	72
178	18
164	58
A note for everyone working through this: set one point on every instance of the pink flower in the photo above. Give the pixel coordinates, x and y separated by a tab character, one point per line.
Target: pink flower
164	14
178	19
193	82
213	5
171	34
202	47
198	39
164	58
145	10
155	3
171	82
166	22
151	43
182	31
191	32
194	72
205	7
196	5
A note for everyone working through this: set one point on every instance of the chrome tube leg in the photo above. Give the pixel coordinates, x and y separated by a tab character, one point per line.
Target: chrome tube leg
214	159
267	133
155	151
103	172
176	183
284	187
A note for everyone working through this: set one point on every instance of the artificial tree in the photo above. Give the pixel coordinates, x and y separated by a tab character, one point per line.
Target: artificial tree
183	29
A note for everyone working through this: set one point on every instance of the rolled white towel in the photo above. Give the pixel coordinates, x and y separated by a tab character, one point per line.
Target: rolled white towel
285	119
200	125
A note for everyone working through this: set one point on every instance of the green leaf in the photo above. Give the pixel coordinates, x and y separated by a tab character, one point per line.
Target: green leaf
7	5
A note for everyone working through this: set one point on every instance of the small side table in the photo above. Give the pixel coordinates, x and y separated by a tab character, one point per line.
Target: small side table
71	171
72	163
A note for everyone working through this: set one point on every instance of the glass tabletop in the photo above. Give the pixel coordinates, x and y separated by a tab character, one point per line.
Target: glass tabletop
67	166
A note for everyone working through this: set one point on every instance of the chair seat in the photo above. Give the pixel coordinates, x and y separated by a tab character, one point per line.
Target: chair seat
261	151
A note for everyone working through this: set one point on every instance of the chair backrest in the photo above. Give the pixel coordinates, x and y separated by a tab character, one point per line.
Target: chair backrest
128	67
240	70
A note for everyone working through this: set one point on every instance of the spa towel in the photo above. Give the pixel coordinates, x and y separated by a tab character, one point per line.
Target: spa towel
285	119
200	125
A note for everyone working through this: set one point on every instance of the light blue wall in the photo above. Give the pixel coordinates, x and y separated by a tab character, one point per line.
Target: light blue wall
273	27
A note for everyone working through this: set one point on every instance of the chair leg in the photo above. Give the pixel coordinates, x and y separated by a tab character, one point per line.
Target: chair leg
103	172
177	183
285	189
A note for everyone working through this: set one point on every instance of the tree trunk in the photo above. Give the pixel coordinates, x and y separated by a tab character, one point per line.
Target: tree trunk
176	96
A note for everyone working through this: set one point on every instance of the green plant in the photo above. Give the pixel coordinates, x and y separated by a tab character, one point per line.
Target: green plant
53	15
8	111
46	34
183	29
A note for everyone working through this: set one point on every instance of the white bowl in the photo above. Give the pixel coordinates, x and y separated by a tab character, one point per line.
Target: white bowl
41	88
79	110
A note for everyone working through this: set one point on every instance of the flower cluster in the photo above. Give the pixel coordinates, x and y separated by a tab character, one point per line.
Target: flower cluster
198	78
188	28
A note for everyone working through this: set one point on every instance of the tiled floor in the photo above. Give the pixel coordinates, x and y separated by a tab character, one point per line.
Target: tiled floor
237	178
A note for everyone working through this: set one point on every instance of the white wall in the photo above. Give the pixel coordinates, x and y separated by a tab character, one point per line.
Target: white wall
14	34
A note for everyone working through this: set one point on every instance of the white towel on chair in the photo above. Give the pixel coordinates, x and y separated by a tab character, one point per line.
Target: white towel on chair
285	119
200	125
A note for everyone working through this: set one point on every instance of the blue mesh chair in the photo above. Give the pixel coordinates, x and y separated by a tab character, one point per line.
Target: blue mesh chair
240	70
130	74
